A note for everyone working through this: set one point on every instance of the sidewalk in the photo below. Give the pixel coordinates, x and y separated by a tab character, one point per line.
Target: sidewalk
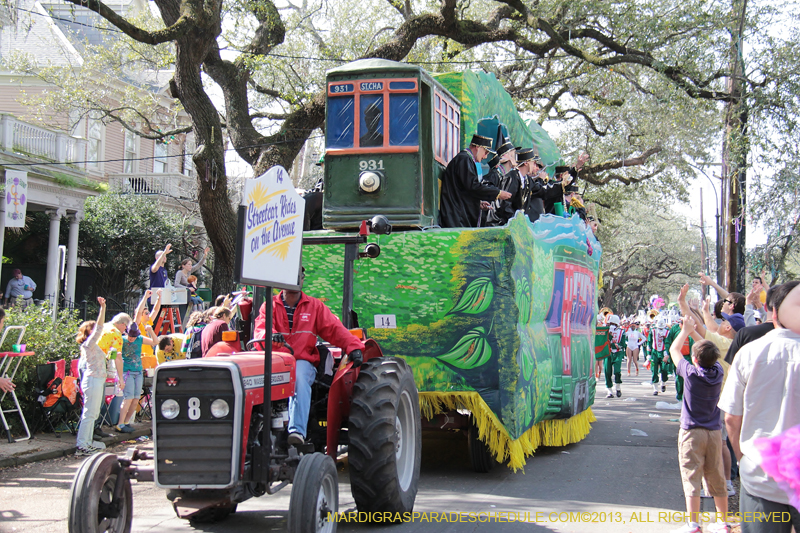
43	446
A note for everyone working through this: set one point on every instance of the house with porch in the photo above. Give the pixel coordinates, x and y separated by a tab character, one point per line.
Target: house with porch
68	157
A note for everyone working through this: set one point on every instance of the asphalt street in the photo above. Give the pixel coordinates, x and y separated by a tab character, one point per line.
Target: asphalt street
622	478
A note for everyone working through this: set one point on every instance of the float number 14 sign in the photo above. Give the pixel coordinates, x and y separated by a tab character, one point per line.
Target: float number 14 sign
271	237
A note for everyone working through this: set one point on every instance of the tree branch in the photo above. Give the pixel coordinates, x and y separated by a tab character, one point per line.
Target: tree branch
171	33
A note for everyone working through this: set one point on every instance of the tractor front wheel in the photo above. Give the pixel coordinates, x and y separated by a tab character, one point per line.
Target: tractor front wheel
385	437
93	507
315	496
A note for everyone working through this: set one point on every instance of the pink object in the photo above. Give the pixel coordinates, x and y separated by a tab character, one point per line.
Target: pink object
780	459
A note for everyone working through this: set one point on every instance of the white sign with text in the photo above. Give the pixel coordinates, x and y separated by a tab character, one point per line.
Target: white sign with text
385	322
272	239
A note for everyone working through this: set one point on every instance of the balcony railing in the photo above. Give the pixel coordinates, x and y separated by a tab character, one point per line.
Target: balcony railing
172	185
27	139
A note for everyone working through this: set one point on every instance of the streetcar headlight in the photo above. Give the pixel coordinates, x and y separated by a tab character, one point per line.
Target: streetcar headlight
219	408
170	409
369	181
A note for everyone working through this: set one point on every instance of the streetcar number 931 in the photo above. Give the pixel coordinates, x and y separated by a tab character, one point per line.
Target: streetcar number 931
371	164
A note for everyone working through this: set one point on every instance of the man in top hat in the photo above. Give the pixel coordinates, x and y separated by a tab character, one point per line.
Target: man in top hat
462	189
531	169
510	181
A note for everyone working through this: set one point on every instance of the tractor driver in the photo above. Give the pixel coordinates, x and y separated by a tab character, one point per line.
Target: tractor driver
300	318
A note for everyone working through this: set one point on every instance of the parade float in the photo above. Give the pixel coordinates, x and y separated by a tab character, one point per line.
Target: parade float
498	323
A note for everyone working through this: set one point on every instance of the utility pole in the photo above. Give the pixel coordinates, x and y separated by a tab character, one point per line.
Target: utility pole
735	149
703	262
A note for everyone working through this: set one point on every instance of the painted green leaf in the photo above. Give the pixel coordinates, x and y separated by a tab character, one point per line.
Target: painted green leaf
471	351
523	300
476	298
526	359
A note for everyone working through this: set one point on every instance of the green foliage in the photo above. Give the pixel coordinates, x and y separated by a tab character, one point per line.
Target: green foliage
120	236
51	342
647	249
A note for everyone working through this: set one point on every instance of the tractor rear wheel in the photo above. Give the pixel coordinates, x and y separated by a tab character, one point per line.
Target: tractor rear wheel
479	454
92	507
385	437
315	495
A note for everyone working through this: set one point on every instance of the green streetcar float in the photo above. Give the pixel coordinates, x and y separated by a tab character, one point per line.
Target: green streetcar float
496	323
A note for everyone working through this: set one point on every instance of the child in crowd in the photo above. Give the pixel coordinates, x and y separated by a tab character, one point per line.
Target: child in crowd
194	327
700	438
169	347
195	299
132	372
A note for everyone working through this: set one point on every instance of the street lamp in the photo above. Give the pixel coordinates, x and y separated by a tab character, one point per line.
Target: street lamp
718	237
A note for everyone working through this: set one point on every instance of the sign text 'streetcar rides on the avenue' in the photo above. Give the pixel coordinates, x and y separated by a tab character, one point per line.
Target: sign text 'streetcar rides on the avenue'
271	234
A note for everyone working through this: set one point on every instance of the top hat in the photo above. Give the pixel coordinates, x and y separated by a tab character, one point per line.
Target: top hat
525	154
480	140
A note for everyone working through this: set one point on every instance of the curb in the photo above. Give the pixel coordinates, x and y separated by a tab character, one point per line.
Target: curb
66	451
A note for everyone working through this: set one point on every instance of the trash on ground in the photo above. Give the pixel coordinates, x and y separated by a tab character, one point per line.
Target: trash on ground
565	453
666	405
629	399
653	415
638	433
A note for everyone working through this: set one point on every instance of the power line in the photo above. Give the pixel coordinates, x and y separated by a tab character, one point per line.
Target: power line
262	145
281	56
69	21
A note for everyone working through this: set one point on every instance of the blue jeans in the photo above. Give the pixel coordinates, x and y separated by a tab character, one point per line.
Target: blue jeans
93	390
300	403
133	384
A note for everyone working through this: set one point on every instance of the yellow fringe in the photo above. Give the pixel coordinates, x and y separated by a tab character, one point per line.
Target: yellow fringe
492	432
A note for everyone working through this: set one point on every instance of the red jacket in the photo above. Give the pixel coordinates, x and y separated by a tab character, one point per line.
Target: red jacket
312	318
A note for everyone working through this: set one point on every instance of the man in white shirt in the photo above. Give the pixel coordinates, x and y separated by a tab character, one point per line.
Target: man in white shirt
20	289
761	399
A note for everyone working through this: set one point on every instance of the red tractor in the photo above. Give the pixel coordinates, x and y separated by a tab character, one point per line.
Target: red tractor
217	442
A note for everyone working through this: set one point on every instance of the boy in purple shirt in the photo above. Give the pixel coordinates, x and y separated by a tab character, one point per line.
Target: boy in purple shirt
700	436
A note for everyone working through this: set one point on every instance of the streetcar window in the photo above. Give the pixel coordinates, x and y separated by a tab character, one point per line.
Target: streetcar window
437	125
447	129
403	119
341	122
371	121
402	85
553	320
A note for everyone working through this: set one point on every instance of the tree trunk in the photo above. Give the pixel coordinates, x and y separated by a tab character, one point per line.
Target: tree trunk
217	213
736	148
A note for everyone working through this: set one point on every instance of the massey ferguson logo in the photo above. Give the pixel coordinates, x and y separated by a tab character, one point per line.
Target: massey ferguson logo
253	382
172	382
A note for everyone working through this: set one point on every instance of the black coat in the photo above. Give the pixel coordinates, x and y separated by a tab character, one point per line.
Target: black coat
746	336
462	193
511	182
534	193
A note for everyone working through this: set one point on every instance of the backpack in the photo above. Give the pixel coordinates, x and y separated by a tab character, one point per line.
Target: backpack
61	388
193	346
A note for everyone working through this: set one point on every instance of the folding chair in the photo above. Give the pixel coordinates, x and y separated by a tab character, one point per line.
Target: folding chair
108	396
145	409
9	364
62	411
